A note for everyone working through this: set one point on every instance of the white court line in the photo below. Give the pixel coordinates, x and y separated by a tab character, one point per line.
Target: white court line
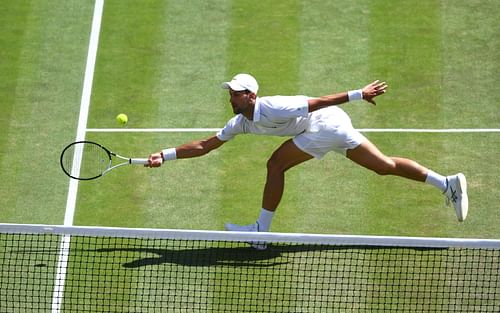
62	263
363	130
429	130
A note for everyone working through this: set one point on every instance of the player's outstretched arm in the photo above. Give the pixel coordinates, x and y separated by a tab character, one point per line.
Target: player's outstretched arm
189	150
368	93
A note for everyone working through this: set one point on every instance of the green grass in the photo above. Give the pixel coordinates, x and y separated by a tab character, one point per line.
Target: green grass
41	86
162	62
163	66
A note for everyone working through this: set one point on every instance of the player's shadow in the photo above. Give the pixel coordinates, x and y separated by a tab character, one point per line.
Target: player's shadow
218	256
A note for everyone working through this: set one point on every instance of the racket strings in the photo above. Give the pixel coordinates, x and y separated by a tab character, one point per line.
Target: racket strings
67	159
85	160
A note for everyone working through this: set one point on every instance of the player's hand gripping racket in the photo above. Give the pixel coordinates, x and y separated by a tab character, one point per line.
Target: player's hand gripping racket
86	160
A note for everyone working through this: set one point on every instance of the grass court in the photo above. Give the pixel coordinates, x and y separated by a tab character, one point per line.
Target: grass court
162	63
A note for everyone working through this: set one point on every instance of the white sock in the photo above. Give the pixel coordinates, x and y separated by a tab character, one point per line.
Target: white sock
436	180
265	218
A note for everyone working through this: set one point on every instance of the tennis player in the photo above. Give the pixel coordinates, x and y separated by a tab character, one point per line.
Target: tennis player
317	126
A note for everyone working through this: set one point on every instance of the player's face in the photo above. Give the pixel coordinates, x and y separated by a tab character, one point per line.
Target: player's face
240	101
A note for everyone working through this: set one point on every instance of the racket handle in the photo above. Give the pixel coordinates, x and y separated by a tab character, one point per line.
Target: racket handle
138	161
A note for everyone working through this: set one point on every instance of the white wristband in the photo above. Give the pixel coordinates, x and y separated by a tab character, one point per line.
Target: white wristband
355	94
169	154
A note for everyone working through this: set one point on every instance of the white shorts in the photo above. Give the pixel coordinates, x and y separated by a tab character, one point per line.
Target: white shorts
329	129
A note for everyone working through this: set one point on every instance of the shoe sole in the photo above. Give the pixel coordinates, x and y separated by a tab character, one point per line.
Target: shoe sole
463	209
258	246
255	245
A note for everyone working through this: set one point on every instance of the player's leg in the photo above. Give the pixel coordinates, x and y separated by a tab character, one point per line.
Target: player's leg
454	187
370	157
285	157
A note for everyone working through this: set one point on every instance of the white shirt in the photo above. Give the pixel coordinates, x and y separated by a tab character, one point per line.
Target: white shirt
276	115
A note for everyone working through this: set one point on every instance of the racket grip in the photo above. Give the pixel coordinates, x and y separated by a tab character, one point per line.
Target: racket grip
138	161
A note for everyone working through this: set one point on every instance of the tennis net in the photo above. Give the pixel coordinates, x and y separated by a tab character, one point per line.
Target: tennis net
91	269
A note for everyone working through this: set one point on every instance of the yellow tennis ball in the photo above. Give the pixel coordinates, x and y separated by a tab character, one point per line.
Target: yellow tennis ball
122	119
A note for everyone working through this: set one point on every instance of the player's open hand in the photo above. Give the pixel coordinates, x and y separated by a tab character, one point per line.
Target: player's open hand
155	160
374	89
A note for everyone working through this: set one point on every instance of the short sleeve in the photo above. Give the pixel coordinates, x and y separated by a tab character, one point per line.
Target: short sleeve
233	127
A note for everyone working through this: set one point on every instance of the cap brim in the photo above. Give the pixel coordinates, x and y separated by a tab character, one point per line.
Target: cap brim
233	86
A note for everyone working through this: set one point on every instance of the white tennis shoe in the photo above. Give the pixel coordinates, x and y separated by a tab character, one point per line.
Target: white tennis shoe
247	228
456	194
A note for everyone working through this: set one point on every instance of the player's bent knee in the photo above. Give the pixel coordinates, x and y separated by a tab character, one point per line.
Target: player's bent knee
274	165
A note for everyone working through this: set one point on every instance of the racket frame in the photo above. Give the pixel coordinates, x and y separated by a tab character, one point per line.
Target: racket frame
108	168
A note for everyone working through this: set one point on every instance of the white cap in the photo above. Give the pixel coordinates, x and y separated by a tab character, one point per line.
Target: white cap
242	82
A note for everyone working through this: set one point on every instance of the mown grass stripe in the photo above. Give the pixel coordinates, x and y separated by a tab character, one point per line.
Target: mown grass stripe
192	64
406	51
127	62
265	42
46	81
334	57
14	22
471	63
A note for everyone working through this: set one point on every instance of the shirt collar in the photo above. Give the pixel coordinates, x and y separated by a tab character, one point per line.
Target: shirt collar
256	111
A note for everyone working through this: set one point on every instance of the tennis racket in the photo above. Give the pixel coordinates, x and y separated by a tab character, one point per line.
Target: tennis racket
86	160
